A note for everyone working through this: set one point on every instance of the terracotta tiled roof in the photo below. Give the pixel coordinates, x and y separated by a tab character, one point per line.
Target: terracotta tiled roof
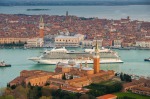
107	96
74	89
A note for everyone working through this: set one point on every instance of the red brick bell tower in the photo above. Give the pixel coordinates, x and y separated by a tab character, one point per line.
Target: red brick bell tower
41	27
96	59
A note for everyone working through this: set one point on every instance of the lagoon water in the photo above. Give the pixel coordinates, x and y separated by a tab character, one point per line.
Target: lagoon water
133	63
136	12
133	59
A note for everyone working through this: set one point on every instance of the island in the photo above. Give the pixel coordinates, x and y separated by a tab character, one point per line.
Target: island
37	9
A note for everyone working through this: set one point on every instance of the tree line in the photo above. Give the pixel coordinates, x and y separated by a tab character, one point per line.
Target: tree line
37	92
125	77
98	89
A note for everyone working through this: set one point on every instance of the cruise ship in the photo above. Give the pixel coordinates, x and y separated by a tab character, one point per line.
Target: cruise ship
56	55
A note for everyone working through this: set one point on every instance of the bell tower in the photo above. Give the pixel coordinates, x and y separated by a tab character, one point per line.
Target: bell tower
96	59
41	27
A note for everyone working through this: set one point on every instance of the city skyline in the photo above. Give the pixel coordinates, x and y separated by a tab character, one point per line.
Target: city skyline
74	49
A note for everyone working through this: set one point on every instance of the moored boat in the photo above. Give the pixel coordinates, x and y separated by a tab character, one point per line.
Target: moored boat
147	59
3	64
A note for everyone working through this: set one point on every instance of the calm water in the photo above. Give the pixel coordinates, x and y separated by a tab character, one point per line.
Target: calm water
136	12
133	63
133	59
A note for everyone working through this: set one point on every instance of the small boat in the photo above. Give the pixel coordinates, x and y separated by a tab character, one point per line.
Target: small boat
3	64
147	59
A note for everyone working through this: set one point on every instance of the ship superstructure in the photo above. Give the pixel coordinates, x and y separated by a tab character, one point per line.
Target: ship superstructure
56	55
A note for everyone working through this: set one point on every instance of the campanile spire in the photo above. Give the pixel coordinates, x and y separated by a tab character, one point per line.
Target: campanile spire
41	27
96	58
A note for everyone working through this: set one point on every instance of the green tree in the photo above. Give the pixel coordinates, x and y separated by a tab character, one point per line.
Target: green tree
8	85
71	77
47	84
29	85
44	97
122	77
23	84
20	92
64	76
125	97
2	90
7	97
126	78
86	96
13	87
98	89
96	93
46	92
35	93
78	94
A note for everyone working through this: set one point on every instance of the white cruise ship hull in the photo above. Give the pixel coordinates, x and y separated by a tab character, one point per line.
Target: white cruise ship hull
55	61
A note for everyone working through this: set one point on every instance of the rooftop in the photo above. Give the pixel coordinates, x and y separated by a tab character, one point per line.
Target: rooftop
62	36
73	89
107	96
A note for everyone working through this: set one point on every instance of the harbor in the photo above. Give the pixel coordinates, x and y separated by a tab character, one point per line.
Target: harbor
75	49
134	63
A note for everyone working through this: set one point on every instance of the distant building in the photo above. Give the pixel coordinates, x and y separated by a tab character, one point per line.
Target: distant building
143	43
68	41
34	77
117	43
90	43
126	44
39	41
12	40
99	42
127	20
112	29
106	43
87	43
35	42
41	27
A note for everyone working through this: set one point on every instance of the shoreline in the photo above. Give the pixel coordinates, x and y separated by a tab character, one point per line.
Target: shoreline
120	48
